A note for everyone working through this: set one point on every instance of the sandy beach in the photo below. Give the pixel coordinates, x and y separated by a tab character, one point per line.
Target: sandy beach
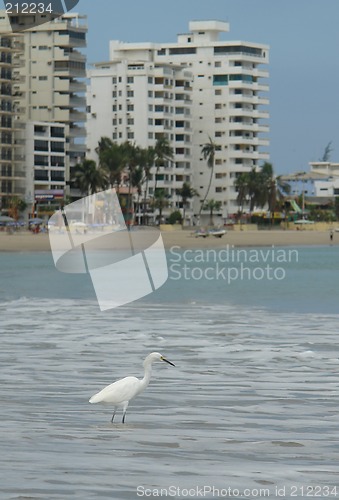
28	242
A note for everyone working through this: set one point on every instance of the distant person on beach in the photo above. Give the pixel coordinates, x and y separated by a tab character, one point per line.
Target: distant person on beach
331	236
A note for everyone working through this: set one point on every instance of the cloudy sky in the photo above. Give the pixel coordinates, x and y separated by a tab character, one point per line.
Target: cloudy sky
304	58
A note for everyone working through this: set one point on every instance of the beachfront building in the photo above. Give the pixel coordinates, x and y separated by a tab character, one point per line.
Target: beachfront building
229	103
12	175
51	86
318	187
137	100
45	160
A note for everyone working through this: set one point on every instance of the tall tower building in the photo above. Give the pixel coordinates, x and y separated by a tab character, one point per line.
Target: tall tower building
228	102
53	88
50	85
12	175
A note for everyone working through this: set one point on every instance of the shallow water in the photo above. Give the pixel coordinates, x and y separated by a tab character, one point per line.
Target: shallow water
251	404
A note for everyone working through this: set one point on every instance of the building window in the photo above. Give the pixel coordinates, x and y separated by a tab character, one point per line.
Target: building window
40	145
220	79
57	147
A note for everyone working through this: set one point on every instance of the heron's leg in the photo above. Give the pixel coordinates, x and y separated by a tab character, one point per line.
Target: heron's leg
113	414
124	410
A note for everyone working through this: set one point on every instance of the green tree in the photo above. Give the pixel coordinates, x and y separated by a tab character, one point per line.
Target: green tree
16	206
186	193
162	152
212	206
326	157
241	186
112	160
146	162
208	151
89	178
160	201
175	217
336	207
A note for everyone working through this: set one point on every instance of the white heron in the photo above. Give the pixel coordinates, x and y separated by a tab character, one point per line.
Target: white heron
121	392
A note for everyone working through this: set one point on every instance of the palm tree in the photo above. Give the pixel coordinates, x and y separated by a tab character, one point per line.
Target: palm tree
208	151
130	154
146	162
136	181
161	201
212	206
111	159
89	178
241	186
162	152
16	206
186	193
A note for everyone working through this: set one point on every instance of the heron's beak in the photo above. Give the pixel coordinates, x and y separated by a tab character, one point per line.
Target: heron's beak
166	360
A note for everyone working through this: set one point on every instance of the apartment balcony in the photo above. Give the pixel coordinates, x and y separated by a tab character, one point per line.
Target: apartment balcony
77	148
250	113
246	57
71	41
67	85
247	155
77	101
61	100
69	101
70	72
77	116
254	86
251	127
250	141
76	131
246	99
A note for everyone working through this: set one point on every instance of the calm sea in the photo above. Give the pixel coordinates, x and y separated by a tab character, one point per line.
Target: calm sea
249	411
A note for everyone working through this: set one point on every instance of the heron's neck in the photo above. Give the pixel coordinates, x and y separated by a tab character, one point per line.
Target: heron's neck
147	376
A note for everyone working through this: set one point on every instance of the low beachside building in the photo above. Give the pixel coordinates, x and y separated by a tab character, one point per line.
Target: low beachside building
318	186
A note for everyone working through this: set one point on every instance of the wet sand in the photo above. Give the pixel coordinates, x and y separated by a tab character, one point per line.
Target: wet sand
28	242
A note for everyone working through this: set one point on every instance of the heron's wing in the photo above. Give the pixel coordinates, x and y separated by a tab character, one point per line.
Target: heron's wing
118	392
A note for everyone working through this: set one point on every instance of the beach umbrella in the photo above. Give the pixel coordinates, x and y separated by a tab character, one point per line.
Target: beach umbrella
36	221
5	219
79	224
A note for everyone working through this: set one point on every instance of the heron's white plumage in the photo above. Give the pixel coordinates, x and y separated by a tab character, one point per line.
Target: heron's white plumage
118	392
121	392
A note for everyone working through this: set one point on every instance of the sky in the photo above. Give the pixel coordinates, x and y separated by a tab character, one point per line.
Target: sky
303	36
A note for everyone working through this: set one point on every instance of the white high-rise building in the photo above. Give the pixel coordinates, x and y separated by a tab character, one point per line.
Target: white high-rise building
228	102
12	174
50	78
140	102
